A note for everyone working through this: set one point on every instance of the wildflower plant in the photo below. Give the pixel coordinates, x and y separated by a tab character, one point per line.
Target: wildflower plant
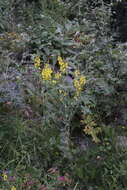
59	103
58	78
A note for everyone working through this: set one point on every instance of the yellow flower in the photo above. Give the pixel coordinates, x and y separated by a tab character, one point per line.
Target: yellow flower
60	60
13	188
82	80
77	73
58	75
63	65
4	176
78	84
37	62
47	72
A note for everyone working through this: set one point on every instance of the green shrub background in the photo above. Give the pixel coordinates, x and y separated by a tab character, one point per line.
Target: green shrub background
57	141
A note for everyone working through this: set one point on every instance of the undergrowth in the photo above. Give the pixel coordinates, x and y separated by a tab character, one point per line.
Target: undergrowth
62	97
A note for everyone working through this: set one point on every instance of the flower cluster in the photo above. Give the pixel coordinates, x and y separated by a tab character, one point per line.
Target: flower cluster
79	83
37	62
58	75
62	64
76	73
46	72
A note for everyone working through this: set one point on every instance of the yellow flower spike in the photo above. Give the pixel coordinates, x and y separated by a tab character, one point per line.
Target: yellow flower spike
77	73
60	59
58	75
37	66
13	188
37	62
82	80
37	59
47	72
63	65
77	85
